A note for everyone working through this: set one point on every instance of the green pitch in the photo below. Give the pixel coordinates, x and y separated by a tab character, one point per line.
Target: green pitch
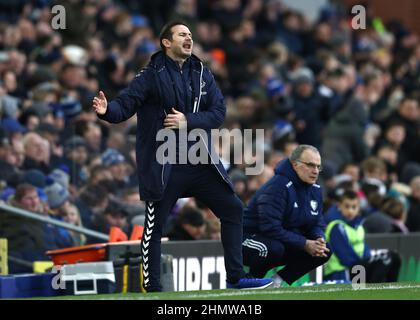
389	291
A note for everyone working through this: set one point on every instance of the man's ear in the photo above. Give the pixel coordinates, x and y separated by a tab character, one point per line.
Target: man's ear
166	43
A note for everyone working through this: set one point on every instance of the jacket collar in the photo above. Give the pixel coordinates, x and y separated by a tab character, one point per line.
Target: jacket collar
285	168
157	61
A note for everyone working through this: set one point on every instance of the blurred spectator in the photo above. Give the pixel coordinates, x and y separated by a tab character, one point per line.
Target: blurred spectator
308	107
75	157
99	173
8	163
37	153
213	230
115	162
333	89
240	183
92	202
408	114
28	239
92	134
114	215
189	225
377	221
58	196
134	206
395	209
71	215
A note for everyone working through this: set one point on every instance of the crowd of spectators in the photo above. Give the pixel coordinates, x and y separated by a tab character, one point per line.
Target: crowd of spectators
354	94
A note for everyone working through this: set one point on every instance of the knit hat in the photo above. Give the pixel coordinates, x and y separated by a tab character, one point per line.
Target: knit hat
70	107
302	75
34	177
112	157
56	193
60	177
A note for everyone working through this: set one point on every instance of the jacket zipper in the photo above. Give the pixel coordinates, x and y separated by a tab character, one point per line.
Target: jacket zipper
195	104
163	166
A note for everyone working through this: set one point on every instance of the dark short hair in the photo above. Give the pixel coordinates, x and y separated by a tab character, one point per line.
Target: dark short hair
348	194
115	208
22	189
166	31
393	207
191	216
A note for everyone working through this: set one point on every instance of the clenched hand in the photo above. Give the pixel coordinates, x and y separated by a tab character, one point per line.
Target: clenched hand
175	120
317	248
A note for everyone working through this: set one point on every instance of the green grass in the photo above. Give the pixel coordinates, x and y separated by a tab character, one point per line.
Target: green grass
389	291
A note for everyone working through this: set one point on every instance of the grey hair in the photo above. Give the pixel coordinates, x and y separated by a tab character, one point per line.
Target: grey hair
299	150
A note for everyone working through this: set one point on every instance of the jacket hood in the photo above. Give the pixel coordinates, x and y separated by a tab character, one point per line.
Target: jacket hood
157	60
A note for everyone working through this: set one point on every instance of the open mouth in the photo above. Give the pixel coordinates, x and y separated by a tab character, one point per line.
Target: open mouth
187	46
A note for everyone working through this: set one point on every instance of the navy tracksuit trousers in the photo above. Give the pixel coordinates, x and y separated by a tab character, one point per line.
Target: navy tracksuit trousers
205	184
262	254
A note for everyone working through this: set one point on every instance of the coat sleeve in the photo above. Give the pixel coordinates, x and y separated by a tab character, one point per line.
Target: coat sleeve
271	208
318	230
214	116
125	105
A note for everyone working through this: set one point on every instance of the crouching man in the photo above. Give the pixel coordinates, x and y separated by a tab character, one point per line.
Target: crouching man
283	223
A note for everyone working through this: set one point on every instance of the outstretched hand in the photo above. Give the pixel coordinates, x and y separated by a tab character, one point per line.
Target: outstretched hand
100	103
175	120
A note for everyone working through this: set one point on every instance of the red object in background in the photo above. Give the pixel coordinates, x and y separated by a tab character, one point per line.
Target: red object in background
137	233
117	235
218	55
93	252
88	253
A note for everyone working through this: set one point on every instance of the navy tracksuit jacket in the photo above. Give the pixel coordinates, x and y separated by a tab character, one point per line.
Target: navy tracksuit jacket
151	95
280	217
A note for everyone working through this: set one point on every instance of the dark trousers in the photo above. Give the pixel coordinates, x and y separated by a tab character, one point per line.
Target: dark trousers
262	254
205	184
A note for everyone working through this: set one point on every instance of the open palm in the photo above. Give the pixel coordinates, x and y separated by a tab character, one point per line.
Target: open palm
100	103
